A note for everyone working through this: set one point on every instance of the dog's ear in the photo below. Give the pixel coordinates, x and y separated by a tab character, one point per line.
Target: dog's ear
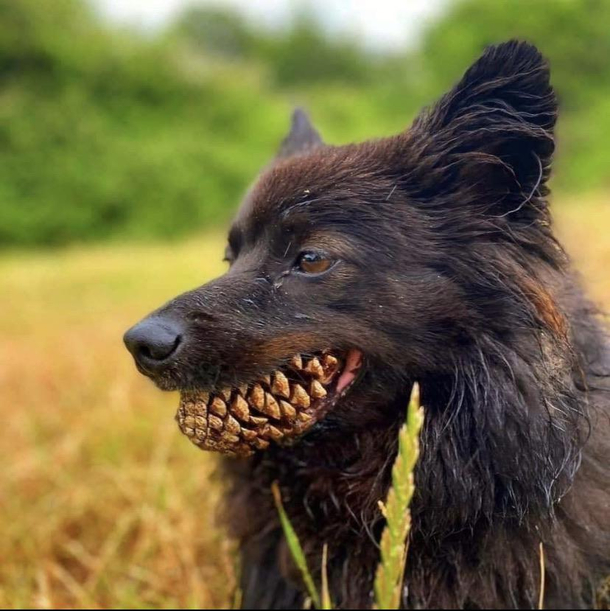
302	136
490	139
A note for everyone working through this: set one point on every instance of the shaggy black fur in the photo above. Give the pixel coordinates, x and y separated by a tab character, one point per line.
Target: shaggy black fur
447	273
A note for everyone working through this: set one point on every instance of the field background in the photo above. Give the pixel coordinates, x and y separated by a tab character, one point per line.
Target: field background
123	153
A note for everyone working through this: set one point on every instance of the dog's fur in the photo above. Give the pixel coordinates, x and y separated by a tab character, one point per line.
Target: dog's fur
448	273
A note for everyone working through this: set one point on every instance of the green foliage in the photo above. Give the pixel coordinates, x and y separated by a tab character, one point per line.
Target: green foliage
106	133
303	54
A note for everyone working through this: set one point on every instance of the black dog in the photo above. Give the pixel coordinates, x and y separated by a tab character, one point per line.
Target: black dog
357	270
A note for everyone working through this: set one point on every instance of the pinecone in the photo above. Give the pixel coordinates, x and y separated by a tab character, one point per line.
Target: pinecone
603	594
278	407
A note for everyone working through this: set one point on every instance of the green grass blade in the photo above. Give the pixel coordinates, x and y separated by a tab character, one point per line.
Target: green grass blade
295	546
393	546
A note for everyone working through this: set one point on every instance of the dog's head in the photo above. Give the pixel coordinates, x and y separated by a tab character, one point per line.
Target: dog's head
355	269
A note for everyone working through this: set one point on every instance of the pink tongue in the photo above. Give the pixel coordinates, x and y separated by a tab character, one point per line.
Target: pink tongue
354	360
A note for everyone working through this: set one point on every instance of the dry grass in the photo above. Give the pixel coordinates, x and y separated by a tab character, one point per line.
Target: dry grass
102	502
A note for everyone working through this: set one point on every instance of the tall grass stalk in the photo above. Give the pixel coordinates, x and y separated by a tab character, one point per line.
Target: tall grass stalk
327	603
295	546
390	572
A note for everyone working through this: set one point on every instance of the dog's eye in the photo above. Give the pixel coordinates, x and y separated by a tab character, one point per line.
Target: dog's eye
313	262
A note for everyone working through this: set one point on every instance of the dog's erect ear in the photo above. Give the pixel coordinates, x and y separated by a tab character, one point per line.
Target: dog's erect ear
490	139
302	137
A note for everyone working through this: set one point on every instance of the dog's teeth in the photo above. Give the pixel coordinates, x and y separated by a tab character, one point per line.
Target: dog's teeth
330	365
258	420
299	397
316	390
218	407
271	431
275	433
297	362
202	397
231	425
257	397
260	444
188	409
215	423
280	385
287	410
240	408
271	407
248	435
329	361
315	368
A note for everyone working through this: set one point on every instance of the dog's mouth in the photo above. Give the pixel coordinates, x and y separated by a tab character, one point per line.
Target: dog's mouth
276	408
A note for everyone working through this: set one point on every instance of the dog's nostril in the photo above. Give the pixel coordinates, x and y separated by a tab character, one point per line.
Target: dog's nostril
159	350
145	352
153	341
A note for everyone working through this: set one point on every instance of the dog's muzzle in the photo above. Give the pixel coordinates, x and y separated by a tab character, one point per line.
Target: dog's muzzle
277	407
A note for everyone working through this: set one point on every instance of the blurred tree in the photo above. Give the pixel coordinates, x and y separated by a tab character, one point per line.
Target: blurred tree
305	54
217	31
573	34
301	53
108	133
29	41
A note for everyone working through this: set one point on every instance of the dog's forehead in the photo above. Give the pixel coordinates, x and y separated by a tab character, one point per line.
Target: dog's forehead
292	180
318	178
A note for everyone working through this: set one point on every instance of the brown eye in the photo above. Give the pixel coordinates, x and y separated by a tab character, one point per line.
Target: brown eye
313	263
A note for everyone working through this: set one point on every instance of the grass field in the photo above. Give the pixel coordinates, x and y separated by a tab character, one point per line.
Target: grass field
102	502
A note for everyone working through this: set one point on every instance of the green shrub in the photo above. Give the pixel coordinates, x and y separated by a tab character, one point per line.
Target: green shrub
106	133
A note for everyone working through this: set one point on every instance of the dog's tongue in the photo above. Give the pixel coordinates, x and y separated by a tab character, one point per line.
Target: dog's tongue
352	364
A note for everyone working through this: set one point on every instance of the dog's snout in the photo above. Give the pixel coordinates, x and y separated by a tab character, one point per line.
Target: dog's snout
153	342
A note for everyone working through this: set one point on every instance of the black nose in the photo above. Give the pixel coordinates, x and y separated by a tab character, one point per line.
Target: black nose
153	341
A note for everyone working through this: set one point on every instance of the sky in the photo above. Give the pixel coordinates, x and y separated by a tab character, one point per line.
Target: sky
383	24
